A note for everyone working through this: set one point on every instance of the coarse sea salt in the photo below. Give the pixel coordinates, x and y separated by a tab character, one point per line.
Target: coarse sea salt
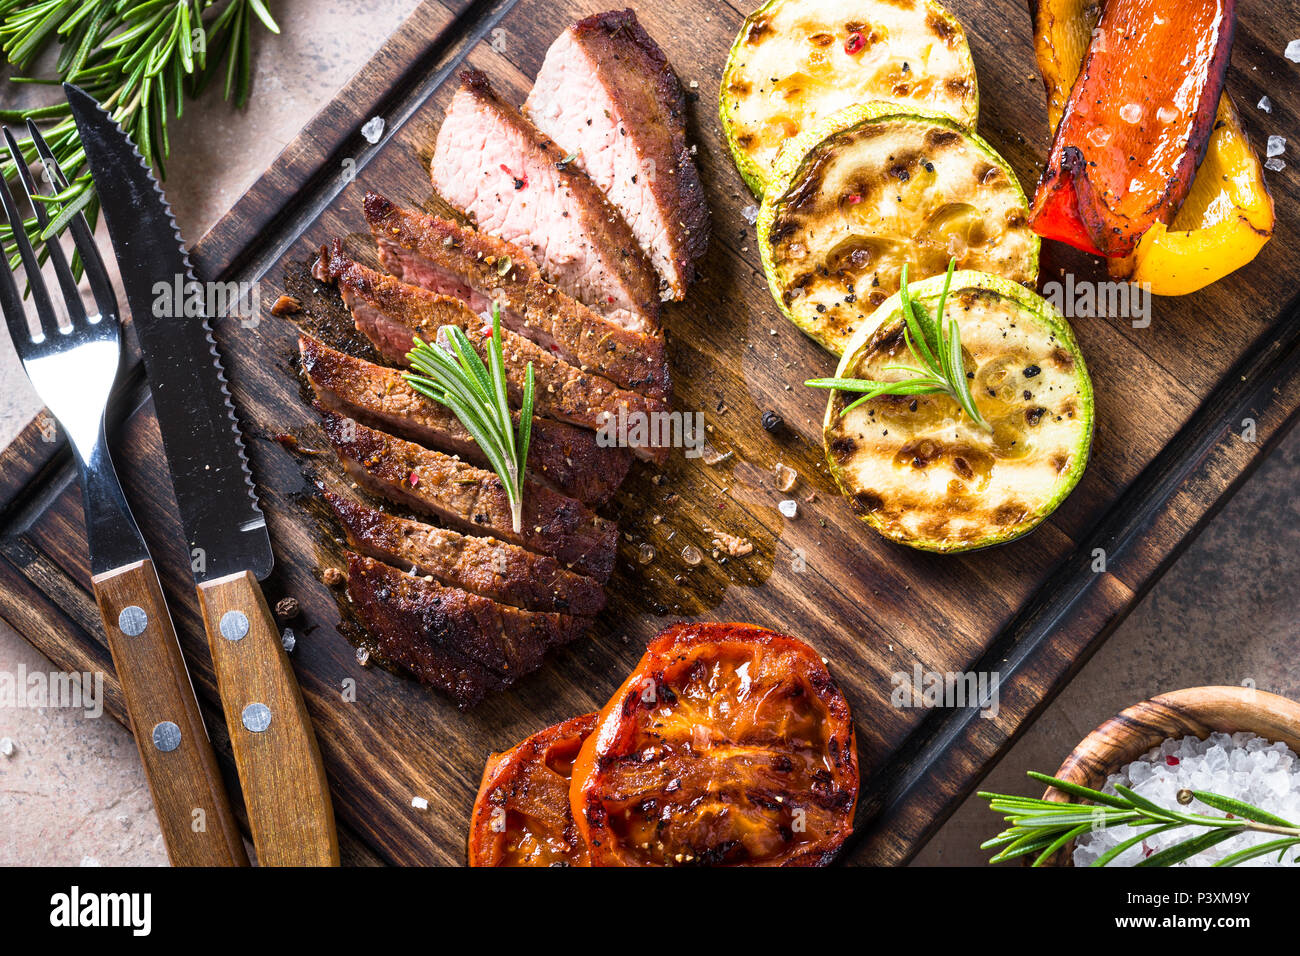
1274	164
1265	104
1293	51
1276	146
1242	766
373	129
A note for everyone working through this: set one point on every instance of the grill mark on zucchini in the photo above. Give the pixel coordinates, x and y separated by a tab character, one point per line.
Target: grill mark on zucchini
876	189
796	62
918	471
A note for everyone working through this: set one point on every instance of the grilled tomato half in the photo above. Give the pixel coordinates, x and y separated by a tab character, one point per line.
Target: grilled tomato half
729	745
521	815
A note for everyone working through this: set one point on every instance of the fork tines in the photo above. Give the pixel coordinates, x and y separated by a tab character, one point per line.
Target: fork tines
10	300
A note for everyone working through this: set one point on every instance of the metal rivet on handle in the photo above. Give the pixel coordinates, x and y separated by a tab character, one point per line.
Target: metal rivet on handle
234	625
132	621
257	717
166	736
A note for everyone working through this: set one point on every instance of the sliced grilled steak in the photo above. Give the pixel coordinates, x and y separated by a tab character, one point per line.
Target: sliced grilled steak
391	313
492	569
463	644
446	257
561	456
496	167
607	94
472	500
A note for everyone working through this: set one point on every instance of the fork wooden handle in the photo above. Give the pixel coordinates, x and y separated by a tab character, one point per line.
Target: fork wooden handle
280	769
189	795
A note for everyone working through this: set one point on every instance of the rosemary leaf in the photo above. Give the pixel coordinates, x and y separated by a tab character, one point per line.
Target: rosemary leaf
1261	849
454	374
1189	847
935	343
1239	809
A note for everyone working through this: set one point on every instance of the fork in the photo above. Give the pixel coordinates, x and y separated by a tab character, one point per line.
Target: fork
73	371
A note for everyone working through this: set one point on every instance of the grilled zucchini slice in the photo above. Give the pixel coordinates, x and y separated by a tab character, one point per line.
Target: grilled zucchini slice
917	469
873	188
798	61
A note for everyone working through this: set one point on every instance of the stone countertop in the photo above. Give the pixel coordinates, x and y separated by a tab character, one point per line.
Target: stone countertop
72	792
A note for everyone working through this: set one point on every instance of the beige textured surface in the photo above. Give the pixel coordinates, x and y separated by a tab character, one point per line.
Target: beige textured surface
72	791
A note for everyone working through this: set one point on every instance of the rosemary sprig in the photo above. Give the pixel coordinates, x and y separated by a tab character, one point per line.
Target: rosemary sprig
451	373
139	58
935	344
1043	827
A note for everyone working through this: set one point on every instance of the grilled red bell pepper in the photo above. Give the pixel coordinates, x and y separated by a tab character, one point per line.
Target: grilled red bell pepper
1137	122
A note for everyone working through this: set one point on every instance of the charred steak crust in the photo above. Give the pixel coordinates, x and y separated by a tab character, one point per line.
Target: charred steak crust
391	313
606	267
473	500
446	257
652	104
492	569
564	457
463	644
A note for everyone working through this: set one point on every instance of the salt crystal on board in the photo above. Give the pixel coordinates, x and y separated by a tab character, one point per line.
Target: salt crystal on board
1276	165
6	747
750	213
373	129
1265	104
789	507
420	803
1293	51
1276	146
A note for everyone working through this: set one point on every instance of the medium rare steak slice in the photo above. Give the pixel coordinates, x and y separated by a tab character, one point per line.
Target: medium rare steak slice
473	500
496	167
492	569
607	94
465	645
391	313
561	456
446	257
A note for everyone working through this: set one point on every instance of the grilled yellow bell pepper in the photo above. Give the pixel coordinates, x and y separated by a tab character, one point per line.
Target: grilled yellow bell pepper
1222	224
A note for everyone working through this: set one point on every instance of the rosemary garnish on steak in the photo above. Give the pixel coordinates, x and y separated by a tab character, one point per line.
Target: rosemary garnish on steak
451	373
935	343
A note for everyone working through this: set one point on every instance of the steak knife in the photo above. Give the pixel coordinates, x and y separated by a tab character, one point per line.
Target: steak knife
280	770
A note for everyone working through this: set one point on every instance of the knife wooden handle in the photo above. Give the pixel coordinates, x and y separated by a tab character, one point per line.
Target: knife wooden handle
189	795
280	769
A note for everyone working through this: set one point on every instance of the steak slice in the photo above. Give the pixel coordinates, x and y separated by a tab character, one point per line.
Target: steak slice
512	181
446	257
465	645
391	313
561	456
492	569
473	500
607	94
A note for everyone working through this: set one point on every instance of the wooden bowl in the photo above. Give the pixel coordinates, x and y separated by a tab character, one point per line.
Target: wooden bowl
1197	711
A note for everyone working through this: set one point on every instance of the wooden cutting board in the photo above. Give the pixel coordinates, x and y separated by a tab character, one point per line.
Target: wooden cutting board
1185	409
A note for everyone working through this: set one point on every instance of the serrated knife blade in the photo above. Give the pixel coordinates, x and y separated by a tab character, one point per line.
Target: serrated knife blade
281	773
224	525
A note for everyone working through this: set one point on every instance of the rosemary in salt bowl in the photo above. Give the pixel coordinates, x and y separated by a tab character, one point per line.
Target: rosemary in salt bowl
1207	776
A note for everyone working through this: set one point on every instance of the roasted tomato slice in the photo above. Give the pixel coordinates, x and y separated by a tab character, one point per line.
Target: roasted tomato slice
1137	122
728	745
521	815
